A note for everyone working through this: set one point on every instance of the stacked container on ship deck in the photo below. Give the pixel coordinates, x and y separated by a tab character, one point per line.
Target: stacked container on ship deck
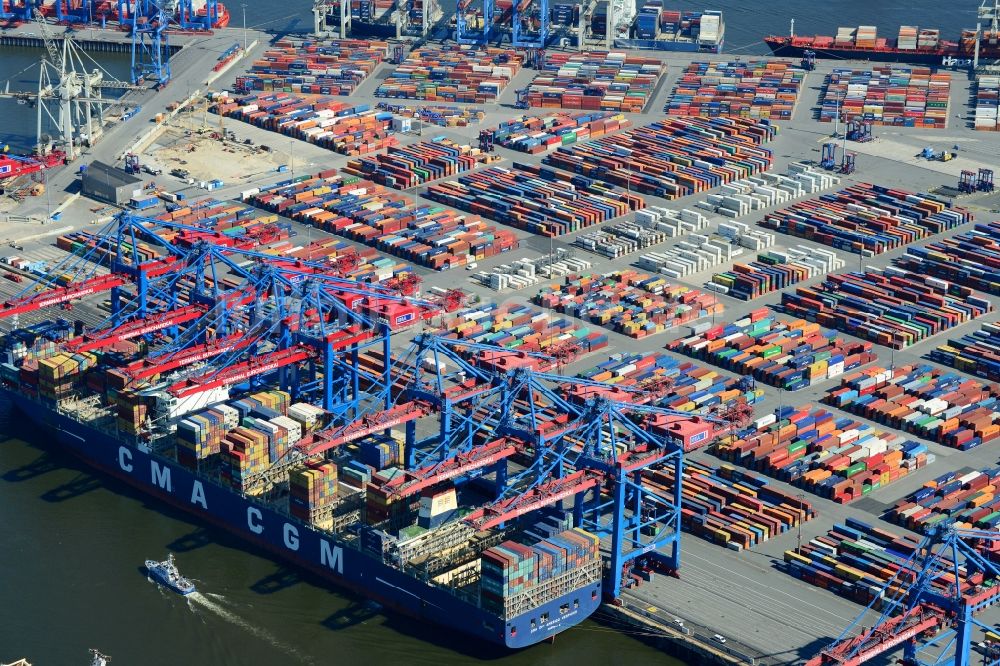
200	435
245	454
311	487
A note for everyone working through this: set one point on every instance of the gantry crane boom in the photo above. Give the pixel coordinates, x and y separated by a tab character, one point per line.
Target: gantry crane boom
239	372
60	295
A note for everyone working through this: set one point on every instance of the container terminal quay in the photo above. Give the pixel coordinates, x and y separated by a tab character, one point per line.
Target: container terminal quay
507	316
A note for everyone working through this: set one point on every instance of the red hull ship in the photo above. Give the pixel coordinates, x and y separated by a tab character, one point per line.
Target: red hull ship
922	46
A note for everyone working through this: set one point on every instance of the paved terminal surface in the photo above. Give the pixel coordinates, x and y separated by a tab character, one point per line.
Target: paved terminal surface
747	597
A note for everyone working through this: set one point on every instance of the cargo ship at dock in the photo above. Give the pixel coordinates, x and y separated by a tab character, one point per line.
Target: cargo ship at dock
346	561
913	44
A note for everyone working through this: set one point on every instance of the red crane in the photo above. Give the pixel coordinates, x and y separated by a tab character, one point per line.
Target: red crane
146	368
60	295
880	639
346	264
134	329
453	300
406	284
364	426
533	499
238	372
414	481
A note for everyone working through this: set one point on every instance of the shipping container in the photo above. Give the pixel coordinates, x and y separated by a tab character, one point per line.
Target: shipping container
759	89
595	80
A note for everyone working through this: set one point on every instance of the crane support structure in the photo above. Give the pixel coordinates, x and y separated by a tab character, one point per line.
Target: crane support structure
933	613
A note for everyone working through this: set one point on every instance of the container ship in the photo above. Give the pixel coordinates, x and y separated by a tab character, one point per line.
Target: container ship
199	413
914	45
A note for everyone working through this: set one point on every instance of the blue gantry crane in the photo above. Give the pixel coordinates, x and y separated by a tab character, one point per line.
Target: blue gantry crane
530	26
147	21
466	18
951	577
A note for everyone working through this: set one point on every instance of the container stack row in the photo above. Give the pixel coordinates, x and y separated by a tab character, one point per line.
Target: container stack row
348	129
970	501
377	216
867	218
453	74
977	353
987	103
674	157
788	353
521	328
767	189
434	114
664	381
894	308
765	89
888	95
512	570
317	68
672	222
312	486
774	271
696	253
631	303
537	134
841	459
526	272
605	80
616	240
362	264
731	507
971	258
859	562
536	198
941	406
403	167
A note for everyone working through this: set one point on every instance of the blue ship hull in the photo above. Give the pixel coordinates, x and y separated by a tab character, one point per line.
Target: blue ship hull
301	544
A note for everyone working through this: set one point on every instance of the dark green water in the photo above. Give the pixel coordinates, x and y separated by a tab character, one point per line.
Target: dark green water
72	545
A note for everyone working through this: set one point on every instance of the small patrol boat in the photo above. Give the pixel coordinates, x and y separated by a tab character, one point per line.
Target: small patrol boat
166	573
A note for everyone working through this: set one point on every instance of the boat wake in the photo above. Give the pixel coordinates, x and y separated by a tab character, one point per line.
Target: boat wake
211	603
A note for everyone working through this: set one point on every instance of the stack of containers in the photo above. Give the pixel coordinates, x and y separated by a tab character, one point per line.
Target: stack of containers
521	328
245	454
631	303
977	353
755	89
969	501
790	354
59	374
867	218
348	129
767	189
200	435
692	387
730	507
615	240
512	570
311	487
941	406
403	167
310	417
861	563
987	101
673	157
372	214
537	134
452	73
606	80
839	459
380	452
699	252
894	308
536	198
866	37
889	95
435	114
131	412
318	68
369	265
774	271
971	258
907	39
